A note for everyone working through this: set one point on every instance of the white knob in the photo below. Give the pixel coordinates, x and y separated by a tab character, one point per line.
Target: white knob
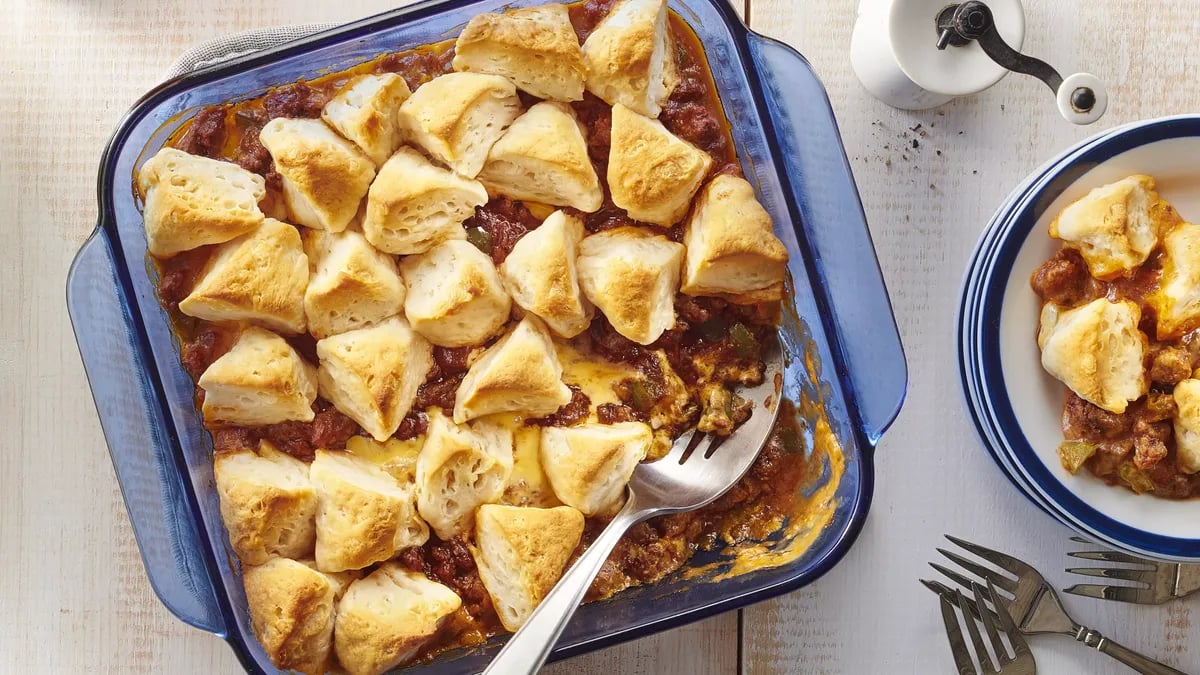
1082	98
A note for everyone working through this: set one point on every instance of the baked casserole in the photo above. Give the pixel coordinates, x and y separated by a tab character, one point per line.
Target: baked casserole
439	306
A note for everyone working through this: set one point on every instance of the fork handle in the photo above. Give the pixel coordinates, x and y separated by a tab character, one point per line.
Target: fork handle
527	650
1142	664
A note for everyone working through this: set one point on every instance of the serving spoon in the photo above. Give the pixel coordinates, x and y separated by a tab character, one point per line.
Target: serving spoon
698	469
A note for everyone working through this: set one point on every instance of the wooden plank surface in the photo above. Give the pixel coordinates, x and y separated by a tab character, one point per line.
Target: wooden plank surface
76	598
927	206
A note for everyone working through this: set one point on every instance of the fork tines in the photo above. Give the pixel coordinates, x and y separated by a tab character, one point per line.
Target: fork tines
991	656
1152	580
999	578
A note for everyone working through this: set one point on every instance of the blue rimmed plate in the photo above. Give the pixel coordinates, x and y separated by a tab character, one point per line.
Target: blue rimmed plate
1015	404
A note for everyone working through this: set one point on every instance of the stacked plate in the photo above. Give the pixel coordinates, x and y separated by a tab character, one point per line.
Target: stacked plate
1015	405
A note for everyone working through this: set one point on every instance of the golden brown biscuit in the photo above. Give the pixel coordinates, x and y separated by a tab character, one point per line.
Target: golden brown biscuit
351	284
1177	299
1115	226
632	276
731	246
292	612
1096	350
459	468
324	176
458	116
340	581
386	617
455	297
652	173
543	157
1187	426
372	374
191	201
519	373
414	205
589	465
267	503
364	514
629	59
260	277
521	552
541	276
262	380
534	47
366	110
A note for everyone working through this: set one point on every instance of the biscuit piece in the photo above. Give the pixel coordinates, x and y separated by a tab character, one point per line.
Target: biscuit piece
652	173
386	617
340	581
590	465
519	373
541	276
459	468
350	284
414	205
1177	299
261	277
1115	226
521	553
1187	426
372	374
1096	350
631	276
267	503
366	110
262	380
732	249
364	514
534	47
455	297
191	201
291	610
629	59
543	157
324	176
458	116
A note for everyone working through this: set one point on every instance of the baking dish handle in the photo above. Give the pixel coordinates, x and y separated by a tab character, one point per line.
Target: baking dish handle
138	443
831	222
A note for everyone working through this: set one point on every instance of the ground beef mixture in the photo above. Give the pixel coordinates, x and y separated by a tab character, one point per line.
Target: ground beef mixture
573	412
498	225
1136	448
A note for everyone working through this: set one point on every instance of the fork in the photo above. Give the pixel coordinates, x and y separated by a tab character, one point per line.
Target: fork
1019	662
1157	582
1035	605
694	473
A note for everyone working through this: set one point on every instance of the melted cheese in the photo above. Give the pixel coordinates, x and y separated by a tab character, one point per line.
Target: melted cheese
527	486
398	458
593	375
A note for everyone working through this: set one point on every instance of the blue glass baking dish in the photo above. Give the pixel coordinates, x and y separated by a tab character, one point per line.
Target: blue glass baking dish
790	148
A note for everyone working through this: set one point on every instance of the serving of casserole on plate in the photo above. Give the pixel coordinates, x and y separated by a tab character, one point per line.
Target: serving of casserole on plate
1074	346
410	317
1118	328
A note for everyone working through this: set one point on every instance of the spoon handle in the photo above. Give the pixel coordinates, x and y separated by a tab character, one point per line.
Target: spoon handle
528	648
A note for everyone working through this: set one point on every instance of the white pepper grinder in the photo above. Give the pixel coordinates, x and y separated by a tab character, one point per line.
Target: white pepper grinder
918	54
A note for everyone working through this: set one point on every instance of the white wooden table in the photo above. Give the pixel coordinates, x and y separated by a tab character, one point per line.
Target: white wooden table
75	598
